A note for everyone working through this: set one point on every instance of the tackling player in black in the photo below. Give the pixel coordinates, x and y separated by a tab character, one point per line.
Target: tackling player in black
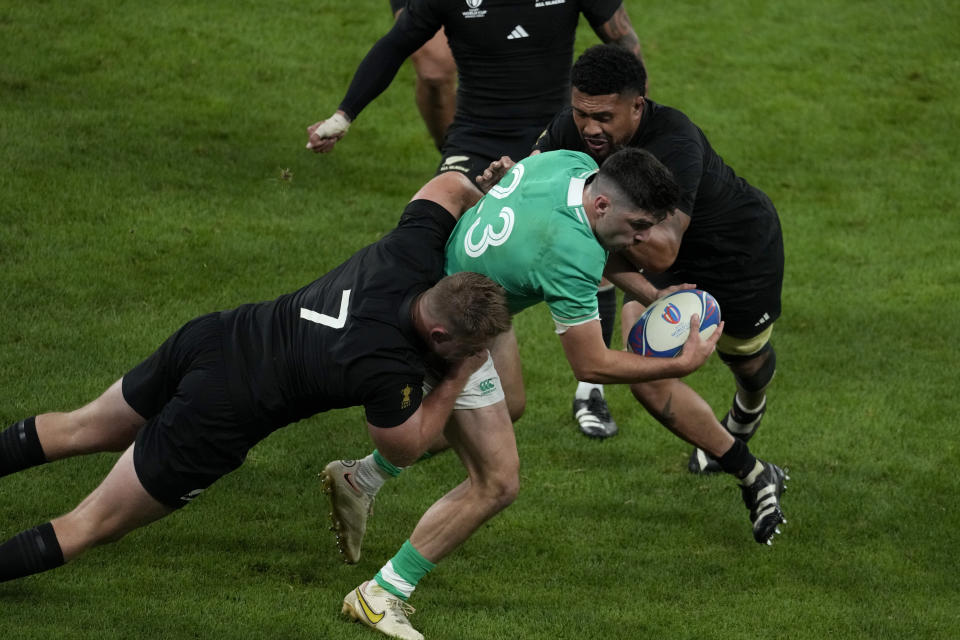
725	237
187	415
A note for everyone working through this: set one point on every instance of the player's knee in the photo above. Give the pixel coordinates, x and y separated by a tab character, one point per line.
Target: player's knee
501	487
754	372
436	78
504	492
434	69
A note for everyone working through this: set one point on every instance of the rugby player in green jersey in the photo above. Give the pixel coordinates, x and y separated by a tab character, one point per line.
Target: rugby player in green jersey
543	233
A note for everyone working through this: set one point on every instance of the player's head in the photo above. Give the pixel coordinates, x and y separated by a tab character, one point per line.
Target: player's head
607	97
467	311
632	192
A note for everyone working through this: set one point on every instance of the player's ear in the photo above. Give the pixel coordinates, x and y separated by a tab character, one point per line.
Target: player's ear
440	335
602	204
638	103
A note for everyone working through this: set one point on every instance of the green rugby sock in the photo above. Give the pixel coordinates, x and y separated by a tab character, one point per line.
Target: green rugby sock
384	464
402	572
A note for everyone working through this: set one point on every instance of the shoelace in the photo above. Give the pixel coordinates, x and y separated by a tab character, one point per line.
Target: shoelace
406	609
598	407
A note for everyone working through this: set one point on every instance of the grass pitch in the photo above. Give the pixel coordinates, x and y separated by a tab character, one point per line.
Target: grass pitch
154	169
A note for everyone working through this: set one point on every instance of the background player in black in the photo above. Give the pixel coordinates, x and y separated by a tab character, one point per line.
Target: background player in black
435	89
725	238
188	414
513	58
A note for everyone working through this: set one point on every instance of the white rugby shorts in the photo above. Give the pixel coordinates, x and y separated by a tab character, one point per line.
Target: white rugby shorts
483	388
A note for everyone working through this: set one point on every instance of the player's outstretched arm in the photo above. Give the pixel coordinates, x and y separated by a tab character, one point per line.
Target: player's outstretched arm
371	78
405	443
592	361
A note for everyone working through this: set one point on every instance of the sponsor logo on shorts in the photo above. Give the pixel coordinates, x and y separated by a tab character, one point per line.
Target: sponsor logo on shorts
191	495
487	387
548	3
405	396
453	163
763	320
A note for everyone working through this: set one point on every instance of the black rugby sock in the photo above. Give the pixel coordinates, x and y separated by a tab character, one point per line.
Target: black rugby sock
738	460
20	447
607	303
29	552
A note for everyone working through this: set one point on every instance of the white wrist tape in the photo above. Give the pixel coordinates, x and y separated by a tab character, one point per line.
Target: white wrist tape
335	125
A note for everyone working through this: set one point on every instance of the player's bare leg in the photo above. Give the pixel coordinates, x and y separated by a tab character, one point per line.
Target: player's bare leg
436	85
352	485
117	506
681	410
106	424
484	440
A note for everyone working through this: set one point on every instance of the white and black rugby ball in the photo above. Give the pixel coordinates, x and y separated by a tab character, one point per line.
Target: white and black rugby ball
665	325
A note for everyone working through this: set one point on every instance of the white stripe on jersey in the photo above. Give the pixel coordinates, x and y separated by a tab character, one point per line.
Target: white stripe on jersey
575	192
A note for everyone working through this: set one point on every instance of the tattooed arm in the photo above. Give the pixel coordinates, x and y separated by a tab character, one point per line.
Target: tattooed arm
619	31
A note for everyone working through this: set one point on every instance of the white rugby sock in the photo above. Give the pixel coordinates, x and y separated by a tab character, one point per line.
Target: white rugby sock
584	389
369	476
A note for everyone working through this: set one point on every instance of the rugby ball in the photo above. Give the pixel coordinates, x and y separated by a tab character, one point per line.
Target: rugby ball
665	325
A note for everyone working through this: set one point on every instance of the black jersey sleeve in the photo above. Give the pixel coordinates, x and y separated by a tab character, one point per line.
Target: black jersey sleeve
392	399
598	12
429	217
384	59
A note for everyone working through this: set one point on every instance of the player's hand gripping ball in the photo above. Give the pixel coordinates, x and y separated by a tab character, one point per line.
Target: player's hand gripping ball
665	325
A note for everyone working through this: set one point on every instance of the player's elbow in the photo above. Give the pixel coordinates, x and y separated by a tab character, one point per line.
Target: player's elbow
588	371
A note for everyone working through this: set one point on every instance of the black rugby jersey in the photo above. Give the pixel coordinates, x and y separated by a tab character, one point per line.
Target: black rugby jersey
513	56
346	338
734	233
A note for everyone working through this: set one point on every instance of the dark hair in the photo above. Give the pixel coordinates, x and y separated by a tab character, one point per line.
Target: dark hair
471	306
642	180
607	68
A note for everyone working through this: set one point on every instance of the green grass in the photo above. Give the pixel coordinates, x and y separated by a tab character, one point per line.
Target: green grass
142	148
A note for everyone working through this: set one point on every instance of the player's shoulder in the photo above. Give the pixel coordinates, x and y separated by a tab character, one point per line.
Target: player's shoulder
669	119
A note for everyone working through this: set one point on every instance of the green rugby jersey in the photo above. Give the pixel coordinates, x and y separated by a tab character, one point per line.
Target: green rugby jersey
530	234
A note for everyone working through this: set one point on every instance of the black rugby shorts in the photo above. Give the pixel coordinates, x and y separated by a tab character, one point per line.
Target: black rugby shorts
197	431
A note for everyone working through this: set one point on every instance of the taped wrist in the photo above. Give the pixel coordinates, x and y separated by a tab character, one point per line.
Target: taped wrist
335	125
